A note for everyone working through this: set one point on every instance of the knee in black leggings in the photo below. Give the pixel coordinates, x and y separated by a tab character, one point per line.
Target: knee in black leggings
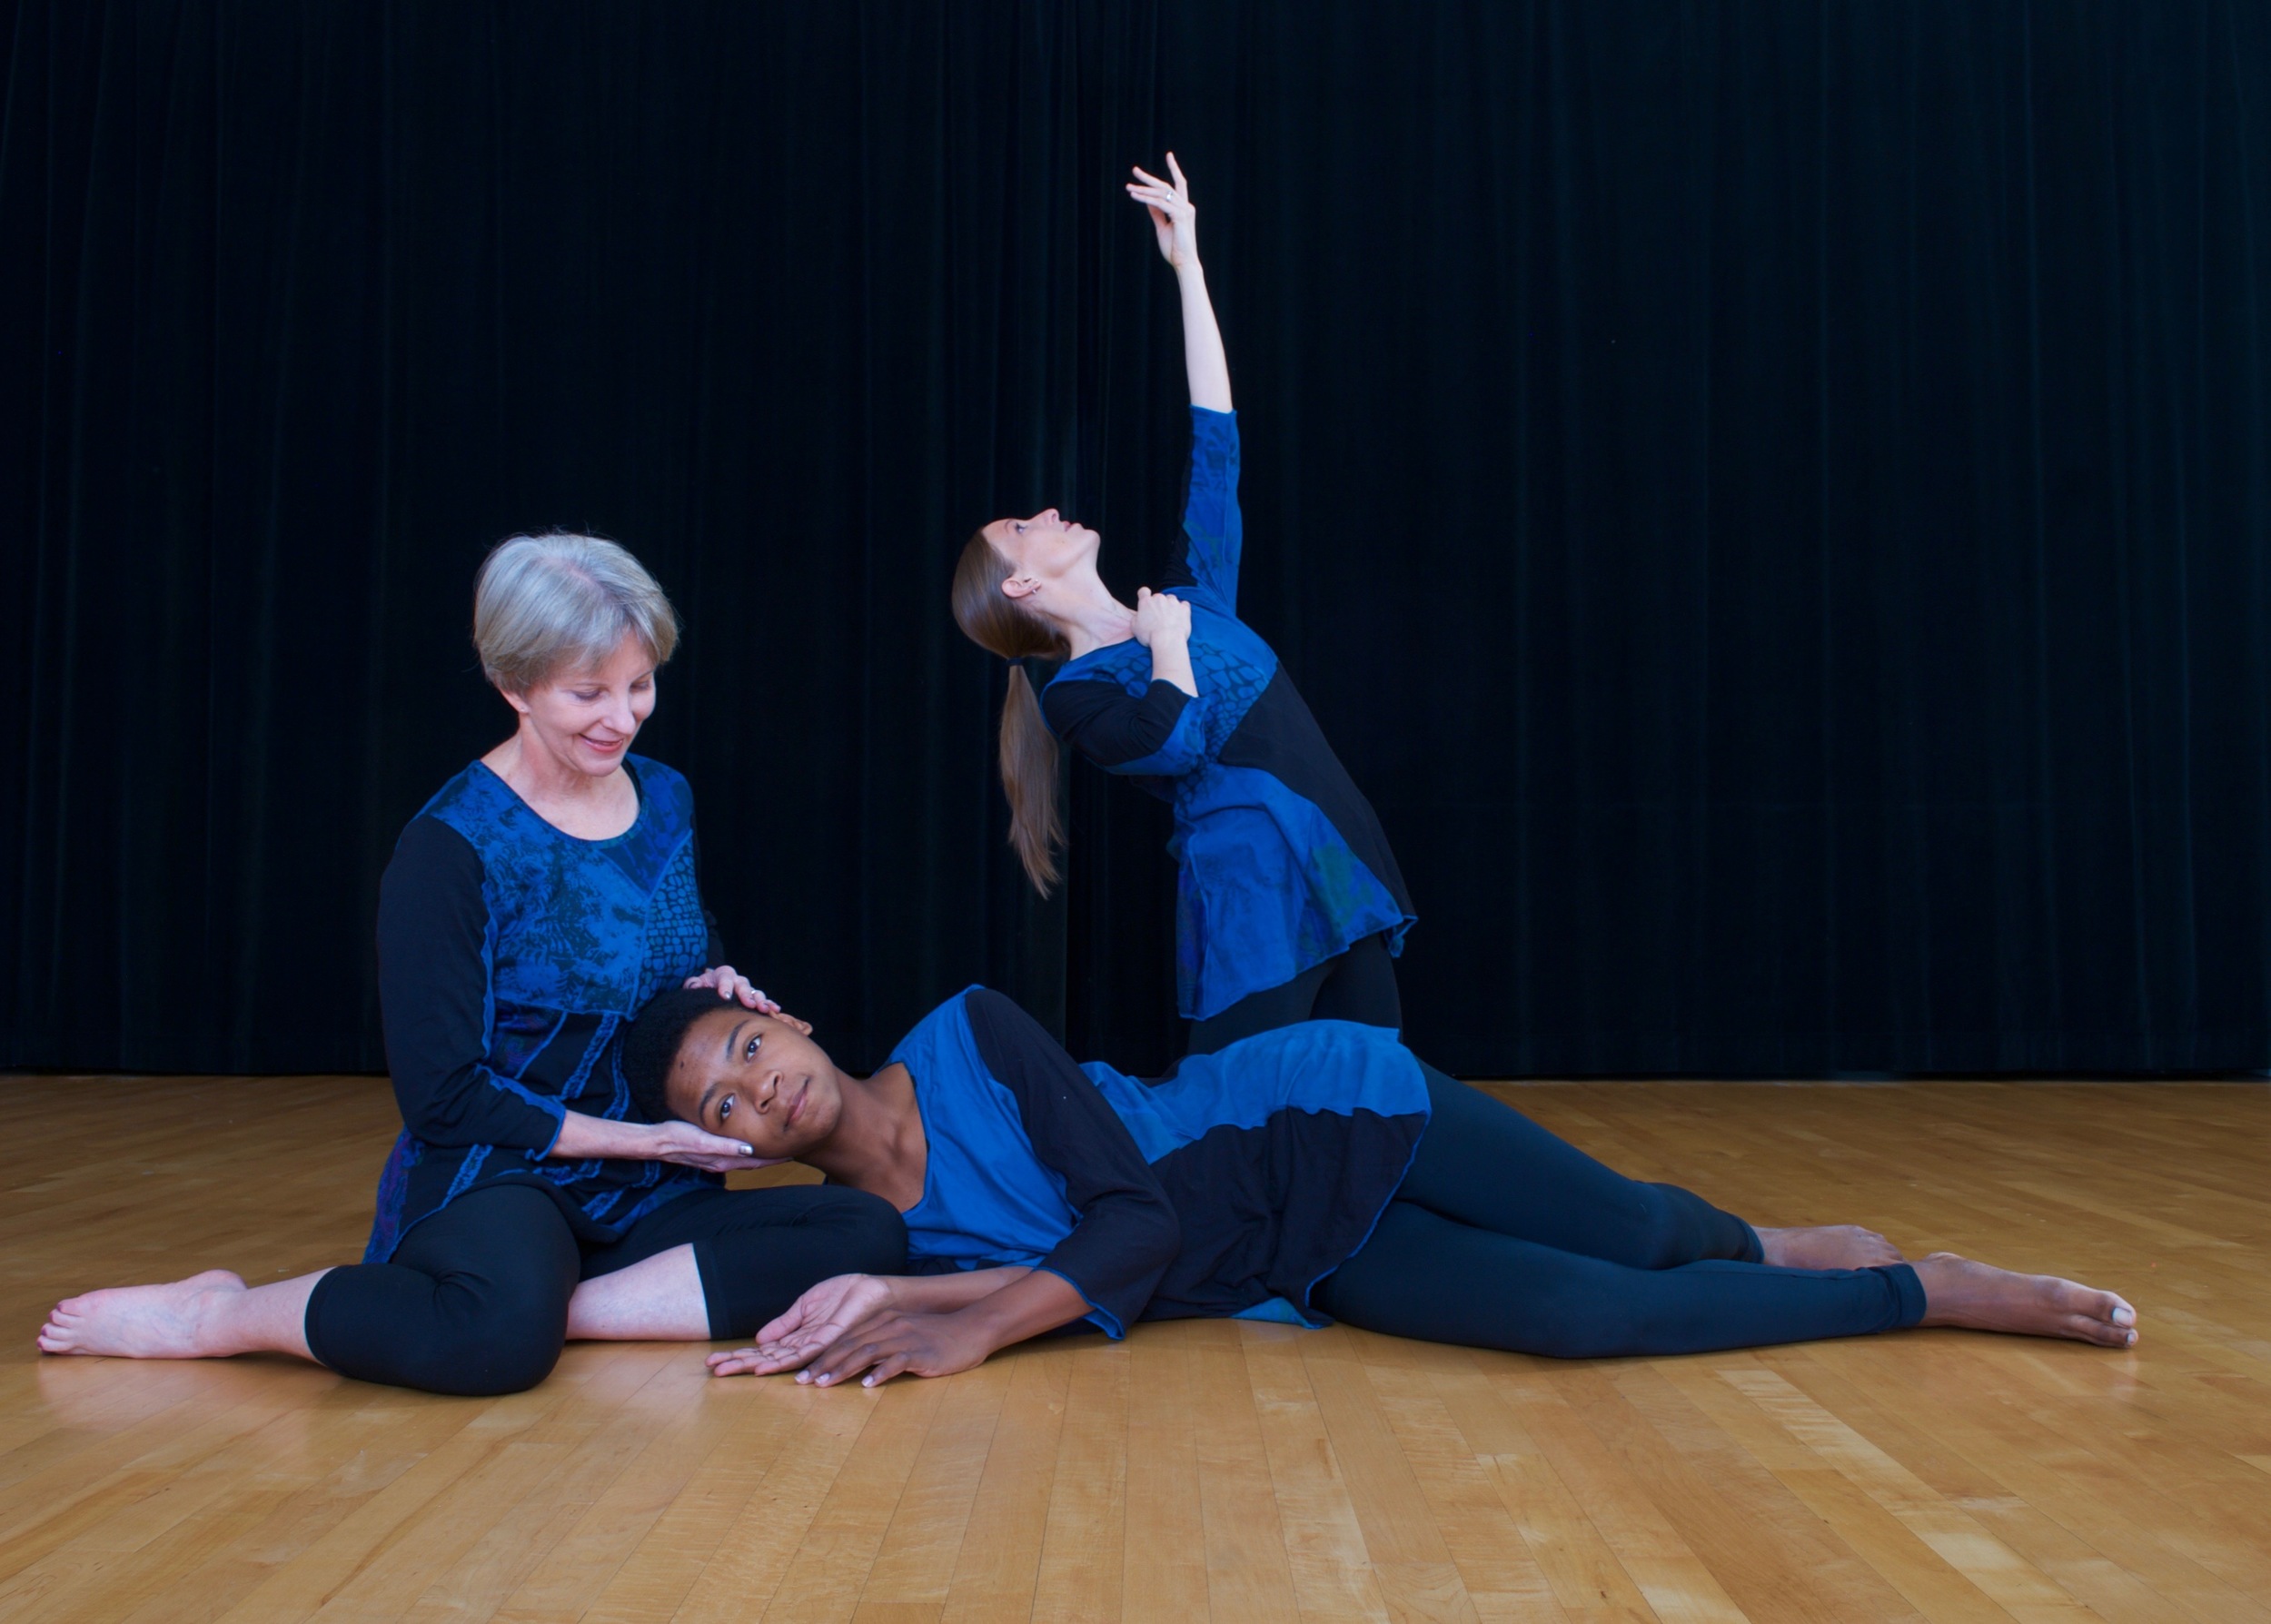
474	1302
493	1335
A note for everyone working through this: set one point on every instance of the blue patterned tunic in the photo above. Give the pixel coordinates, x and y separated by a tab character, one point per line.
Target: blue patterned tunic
509	955
1281	862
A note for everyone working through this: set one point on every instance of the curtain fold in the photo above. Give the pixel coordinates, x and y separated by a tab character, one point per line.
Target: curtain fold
1771	502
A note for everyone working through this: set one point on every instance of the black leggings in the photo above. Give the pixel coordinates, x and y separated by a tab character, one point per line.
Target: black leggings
1503	1236
475	1300
1357	984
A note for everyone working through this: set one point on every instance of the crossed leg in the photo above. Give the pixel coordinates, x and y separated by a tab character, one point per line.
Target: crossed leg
1507	1236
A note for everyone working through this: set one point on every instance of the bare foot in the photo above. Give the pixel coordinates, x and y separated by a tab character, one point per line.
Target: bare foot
1828	1246
1958	1291
154	1322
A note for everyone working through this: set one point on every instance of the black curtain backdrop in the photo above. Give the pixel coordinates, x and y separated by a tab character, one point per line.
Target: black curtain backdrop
1769	500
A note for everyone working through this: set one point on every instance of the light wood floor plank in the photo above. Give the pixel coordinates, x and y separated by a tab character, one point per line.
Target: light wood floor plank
999	1562
1163	1564
915	1564
831	1565
1333	1567
1588	1579
741	1577
1084	1544
1501	1576
1248	1573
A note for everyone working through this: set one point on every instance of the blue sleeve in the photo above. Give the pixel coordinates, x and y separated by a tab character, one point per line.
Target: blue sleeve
433	1000
1213	533
1127	1234
1159	733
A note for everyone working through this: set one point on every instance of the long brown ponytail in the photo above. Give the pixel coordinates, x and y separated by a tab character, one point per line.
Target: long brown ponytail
1000	625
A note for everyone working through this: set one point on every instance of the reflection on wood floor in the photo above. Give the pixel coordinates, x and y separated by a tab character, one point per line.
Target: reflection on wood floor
1198	1469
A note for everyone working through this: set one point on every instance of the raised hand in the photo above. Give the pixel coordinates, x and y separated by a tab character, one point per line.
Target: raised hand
1173	214
1175	220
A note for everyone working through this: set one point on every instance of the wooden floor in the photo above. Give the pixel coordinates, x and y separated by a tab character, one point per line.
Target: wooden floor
1197	1470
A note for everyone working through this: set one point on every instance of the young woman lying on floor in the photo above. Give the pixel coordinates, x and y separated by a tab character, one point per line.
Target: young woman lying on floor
1317	1170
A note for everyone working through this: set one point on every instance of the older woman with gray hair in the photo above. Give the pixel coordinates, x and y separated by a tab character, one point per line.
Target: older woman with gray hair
544	894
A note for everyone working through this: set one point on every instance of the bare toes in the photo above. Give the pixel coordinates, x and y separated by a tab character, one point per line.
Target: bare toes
2084	1328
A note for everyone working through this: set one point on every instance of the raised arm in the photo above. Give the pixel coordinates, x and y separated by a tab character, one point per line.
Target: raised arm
1213	534
1175	220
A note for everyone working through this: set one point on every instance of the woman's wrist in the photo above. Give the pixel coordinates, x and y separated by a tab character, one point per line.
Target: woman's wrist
588	1138
1171	664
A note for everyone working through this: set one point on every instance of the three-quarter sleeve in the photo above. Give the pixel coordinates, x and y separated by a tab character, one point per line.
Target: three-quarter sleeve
1159	733
1214	531
435	996
1127	1235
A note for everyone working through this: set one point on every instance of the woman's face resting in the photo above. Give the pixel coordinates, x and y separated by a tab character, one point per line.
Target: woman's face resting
758	1079
1042	549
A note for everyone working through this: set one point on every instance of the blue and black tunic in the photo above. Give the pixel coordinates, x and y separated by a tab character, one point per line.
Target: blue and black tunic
1322	1170
1228	1190
1280	861
509	955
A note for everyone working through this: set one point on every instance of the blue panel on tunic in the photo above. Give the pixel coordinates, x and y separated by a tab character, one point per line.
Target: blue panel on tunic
1338	1066
987	1198
581	933
1278	1311
1265	887
1279	1153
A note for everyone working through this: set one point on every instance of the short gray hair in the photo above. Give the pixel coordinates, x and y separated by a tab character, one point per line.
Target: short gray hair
564	601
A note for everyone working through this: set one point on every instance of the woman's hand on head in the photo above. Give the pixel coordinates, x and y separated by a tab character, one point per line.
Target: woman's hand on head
1161	618
1173	214
730	984
685	1145
583	1138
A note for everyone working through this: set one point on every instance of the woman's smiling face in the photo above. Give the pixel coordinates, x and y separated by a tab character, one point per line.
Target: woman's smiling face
755	1079
585	719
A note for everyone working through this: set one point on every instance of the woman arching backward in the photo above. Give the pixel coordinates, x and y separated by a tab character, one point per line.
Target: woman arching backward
1289	903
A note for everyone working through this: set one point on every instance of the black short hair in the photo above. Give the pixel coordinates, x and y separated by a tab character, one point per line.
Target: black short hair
650	1044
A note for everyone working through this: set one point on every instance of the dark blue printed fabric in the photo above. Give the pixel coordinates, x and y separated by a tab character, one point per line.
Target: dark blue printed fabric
511	954
1281	862
1229	1189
